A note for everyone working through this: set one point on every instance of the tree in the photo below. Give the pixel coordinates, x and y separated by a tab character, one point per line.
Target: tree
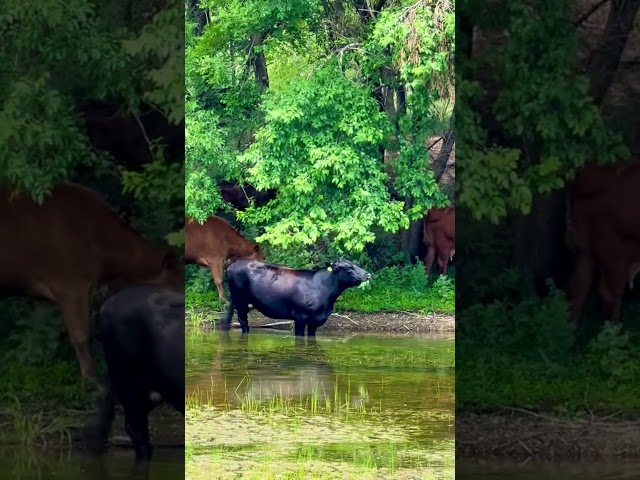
305	98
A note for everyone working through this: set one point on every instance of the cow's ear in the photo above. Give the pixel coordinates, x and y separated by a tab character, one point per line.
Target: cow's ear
170	261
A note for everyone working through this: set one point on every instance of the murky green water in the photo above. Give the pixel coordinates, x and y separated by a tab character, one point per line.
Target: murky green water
32	464
357	406
618	470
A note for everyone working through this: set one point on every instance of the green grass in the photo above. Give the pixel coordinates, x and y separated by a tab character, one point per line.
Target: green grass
392	289
338	403
525	355
41	404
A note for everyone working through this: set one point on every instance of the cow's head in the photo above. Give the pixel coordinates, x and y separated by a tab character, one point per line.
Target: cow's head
348	272
257	254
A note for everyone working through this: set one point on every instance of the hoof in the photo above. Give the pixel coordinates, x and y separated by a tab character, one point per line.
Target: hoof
120	441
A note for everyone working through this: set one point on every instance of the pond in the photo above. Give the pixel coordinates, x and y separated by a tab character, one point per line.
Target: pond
364	406
69	464
617	469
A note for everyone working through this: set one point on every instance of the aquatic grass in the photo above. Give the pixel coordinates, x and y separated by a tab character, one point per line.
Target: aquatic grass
281	403
308	461
270	410
27	428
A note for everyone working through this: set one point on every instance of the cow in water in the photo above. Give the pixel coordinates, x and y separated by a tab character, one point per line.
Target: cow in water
603	231
143	337
67	246
305	296
440	237
211	243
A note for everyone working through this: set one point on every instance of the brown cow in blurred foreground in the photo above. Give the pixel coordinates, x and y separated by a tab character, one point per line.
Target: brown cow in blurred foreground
72	243
603	231
211	243
440	237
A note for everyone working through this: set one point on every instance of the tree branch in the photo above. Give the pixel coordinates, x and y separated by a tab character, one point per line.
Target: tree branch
605	59
585	16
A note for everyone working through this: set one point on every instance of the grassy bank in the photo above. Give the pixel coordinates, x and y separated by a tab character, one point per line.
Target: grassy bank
41	403
525	355
392	289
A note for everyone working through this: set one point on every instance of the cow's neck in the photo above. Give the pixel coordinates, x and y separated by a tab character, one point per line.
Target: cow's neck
337	290
131	259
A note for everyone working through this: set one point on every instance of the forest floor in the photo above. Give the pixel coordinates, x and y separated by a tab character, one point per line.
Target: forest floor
520	436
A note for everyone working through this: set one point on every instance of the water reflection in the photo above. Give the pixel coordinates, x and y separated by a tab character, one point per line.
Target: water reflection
295	370
356	403
33	464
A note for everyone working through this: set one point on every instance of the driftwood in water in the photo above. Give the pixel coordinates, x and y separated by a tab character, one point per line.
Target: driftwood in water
268	325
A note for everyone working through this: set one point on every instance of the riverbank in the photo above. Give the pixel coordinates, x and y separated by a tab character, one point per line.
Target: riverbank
344	322
29	427
519	435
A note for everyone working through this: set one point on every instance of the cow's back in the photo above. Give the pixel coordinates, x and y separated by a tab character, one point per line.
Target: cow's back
600	218
213	238
65	237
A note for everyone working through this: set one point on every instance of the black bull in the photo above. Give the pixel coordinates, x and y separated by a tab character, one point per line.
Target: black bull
143	337
305	296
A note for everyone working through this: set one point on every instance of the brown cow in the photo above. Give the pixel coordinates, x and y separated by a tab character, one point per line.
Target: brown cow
603	231
211	243
440	237
73	242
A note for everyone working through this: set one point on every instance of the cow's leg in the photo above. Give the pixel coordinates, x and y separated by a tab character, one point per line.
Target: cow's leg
298	328
225	321
216	274
75	312
442	263
136	406
243	311
429	259
579	287
96	433
126	440
611	290
311	330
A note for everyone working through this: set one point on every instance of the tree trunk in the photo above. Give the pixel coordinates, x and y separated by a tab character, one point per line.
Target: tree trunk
199	15
448	140
257	61
538	238
605	59
412	240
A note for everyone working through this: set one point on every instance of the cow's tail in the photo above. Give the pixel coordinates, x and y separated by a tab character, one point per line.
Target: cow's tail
97	431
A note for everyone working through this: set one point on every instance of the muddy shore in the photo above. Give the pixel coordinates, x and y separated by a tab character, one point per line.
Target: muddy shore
527	436
350	322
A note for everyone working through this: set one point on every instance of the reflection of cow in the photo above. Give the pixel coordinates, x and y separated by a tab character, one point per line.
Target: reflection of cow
440	237
292	371
211	243
603	230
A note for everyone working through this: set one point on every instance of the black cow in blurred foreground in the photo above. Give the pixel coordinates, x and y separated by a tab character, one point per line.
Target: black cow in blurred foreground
143	337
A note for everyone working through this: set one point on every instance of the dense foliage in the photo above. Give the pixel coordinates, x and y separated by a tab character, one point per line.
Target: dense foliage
529	112
304	98
64	65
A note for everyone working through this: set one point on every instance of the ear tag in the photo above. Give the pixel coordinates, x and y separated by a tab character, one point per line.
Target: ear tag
330	269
